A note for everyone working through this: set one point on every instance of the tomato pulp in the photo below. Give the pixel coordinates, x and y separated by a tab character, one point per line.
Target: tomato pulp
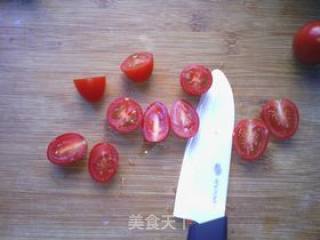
281	117
103	162
138	67
195	79
156	123
184	119
67	149
250	138
124	115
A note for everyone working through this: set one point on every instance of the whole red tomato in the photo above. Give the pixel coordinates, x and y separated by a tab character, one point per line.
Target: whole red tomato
306	43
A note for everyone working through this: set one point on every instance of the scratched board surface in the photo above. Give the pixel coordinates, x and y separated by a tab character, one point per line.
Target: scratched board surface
45	44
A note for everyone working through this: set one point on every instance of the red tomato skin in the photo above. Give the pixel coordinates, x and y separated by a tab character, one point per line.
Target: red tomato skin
110	111
306	43
141	73
195	120
97	150
194	91
266	114
162	109
51	150
91	89
263	145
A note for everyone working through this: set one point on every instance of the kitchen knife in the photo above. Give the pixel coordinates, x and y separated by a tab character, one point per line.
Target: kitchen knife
203	184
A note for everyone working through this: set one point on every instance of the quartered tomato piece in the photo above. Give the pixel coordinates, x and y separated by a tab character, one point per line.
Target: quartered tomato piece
250	139
184	119
156	123
103	162
195	79
281	117
67	149
138	66
124	115
92	89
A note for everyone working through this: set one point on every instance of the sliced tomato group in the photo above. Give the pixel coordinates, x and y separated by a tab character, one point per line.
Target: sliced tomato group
156	123
103	162
195	79
92	89
184	119
281	117
138	66
250	138
124	115
67	149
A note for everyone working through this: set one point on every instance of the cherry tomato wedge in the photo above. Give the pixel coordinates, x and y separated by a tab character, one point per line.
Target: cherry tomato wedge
281	117
156	123
250	138
103	162
91	89
306	43
195	79
67	149
184	119
138	66
124	115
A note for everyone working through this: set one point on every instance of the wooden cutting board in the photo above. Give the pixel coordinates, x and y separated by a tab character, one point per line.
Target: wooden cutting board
45	44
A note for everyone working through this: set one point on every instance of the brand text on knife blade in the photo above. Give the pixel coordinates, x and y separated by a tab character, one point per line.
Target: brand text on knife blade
217	172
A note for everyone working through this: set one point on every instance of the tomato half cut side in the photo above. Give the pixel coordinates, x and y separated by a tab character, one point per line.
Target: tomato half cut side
156	123
281	117
103	162
184	119
67	149
124	115
250	139
195	79
91	89
138	66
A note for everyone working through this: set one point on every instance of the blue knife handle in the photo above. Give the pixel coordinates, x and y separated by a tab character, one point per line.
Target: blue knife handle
213	230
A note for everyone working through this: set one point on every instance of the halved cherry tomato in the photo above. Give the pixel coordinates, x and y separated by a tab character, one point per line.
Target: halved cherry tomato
103	162
184	119
306	43
92	89
124	115
67	149
156	123
250	138
281	117
138	66
195	79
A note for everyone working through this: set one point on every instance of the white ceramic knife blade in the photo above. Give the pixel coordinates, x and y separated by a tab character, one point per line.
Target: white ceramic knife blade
203	184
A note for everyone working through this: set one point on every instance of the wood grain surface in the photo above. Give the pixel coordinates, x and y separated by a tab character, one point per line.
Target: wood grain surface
45	44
